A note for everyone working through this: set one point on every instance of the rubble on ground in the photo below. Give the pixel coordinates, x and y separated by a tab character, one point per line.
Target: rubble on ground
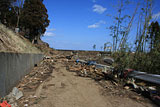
115	86
110	86
112	83
24	93
15	95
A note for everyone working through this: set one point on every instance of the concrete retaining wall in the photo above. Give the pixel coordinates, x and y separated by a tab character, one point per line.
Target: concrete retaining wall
14	66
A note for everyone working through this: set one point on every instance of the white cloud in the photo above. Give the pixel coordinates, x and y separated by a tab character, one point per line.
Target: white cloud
49	34
99	9
97	25
93	26
51	29
156	16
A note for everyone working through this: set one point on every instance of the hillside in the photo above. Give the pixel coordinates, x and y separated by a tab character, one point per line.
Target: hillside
12	42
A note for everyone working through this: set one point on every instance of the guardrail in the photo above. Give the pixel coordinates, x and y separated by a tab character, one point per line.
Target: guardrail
152	78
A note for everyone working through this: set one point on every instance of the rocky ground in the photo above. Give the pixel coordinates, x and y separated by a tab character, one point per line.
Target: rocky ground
52	83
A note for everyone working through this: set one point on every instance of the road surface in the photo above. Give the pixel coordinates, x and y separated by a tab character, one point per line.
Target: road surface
65	89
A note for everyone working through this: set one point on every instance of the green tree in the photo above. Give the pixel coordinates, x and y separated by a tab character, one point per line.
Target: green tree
153	36
34	18
94	47
5	6
11	20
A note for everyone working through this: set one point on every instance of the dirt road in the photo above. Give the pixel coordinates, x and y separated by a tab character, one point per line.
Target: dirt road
65	89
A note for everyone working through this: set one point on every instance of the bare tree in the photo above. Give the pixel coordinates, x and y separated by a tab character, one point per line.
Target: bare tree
94	47
127	30
17	6
118	29
107	46
147	10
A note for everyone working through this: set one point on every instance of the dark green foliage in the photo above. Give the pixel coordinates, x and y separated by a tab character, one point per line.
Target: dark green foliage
145	62
28	15
142	61
154	36
12	18
5	6
34	18
122	60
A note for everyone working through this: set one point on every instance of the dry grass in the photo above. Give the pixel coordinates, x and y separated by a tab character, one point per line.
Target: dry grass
12	42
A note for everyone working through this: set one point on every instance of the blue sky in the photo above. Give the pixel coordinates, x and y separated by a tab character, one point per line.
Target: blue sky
79	24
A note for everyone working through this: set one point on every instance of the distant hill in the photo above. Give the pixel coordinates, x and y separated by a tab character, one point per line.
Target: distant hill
12	42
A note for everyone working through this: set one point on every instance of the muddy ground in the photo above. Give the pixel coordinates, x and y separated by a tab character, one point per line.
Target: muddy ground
51	84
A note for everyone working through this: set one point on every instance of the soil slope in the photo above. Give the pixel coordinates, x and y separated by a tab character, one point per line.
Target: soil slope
12	42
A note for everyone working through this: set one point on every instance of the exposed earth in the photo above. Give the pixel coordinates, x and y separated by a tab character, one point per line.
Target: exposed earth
53	85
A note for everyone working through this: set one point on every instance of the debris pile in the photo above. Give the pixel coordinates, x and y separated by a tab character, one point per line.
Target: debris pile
120	83
111	86
37	76
145	89
24	94
12	98
87	69
114	83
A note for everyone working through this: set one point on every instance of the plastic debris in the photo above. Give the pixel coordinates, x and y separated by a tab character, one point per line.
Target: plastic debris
109	61
26	105
16	93
91	62
5	104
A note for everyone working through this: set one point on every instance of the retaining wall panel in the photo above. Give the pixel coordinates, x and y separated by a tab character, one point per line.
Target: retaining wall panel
14	66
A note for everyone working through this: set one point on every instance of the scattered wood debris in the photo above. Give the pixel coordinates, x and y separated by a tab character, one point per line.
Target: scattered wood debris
121	86
30	83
